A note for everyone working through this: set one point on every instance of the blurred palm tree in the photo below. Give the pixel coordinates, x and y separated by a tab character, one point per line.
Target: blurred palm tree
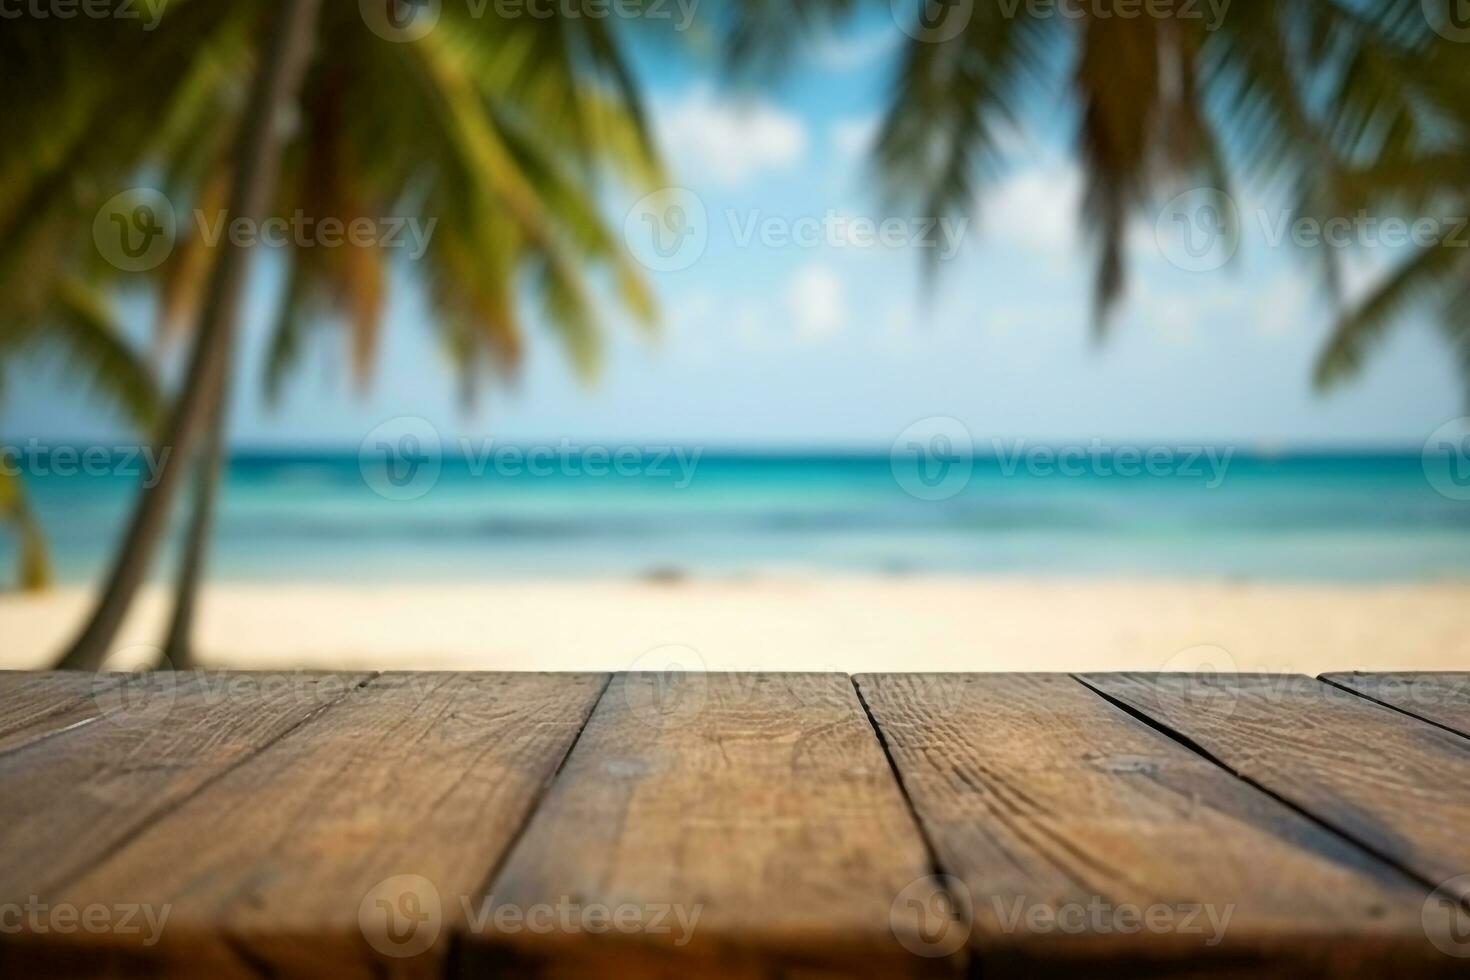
1412	183
77	327
495	132
52	185
54	285
496	145
1315	95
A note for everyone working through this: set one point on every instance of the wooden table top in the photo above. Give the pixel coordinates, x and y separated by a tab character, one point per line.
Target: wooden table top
762	825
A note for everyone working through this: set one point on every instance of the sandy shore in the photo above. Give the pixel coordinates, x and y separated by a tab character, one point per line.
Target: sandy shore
850	624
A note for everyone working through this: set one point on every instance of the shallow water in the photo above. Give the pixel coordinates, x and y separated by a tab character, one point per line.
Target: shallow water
318	517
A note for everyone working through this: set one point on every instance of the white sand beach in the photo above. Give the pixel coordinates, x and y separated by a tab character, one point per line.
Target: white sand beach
847	624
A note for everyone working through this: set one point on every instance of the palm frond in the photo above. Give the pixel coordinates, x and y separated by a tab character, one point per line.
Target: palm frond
79	329
941	133
1441	266
1120	85
283	350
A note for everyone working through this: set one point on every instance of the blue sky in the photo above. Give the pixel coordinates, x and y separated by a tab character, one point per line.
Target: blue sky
792	346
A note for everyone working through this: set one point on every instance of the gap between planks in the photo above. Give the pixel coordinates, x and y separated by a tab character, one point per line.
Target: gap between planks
1169	730
936	864
454	958
1456	697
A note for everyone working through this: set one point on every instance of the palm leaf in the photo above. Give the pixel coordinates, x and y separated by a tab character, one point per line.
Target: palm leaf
81	331
1432	270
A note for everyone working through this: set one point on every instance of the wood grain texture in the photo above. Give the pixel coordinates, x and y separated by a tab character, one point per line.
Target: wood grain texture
1443	698
724	825
407	792
1396	785
66	802
1070	823
752	816
37	705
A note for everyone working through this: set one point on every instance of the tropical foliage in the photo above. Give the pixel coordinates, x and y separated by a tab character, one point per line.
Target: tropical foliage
1342	103
499	131
496	130
1430	186
493	138
494	134
77	331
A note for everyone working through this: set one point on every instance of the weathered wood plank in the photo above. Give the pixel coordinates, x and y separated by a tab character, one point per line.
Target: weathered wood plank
1443	698
35	705
752	816
408	793
27	696
1083	836
68	801
279	820
1391	782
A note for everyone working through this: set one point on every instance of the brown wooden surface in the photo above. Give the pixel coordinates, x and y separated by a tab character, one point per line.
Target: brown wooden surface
37	706
1045	800
70	800
1391	783
762	799
1442	698
417	780
316	825
26	698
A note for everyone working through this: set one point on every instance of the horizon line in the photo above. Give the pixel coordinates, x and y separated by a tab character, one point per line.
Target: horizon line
731	450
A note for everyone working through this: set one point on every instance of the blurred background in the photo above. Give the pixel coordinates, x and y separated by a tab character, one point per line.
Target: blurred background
923	334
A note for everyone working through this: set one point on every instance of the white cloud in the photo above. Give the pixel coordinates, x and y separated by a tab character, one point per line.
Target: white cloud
1282	306
1175	317
1037	208
851	53
1013	139
729	142
853	138
815	303
1040	208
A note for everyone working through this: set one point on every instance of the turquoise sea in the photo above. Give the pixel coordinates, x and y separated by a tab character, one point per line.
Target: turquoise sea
317	517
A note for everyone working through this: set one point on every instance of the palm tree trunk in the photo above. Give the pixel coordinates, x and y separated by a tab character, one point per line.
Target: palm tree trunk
35	561
277	81
178	650
34	564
